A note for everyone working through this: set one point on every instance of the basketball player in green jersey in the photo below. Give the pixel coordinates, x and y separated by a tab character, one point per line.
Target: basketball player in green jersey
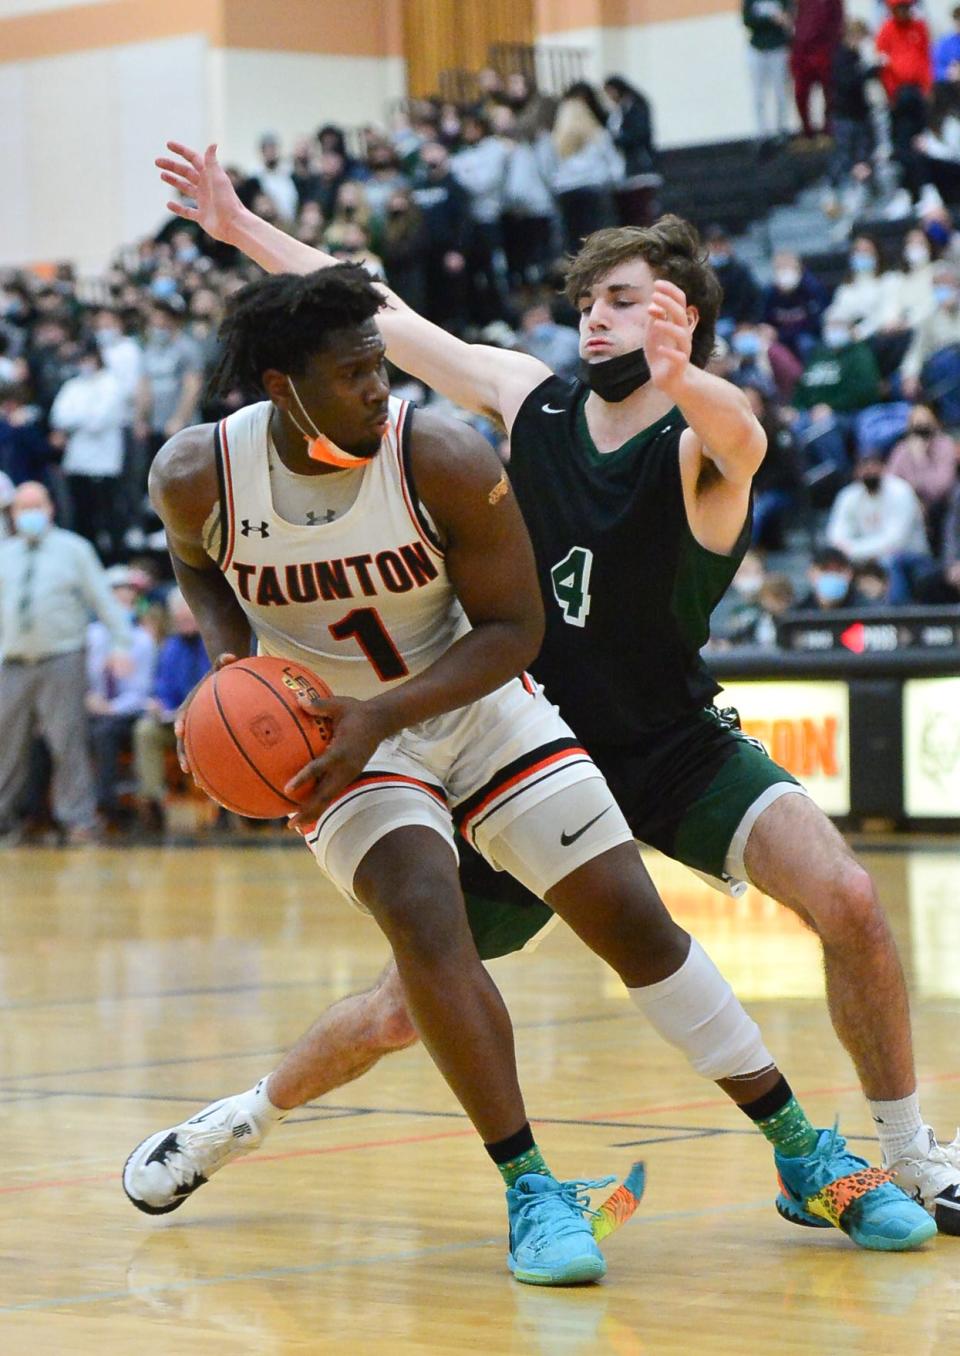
635	485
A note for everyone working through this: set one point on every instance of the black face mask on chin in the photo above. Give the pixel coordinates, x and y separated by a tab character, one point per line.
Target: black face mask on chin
616	378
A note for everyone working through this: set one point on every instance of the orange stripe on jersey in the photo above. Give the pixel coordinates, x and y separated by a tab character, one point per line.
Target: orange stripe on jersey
404	487
575	751
231	512
388	778
370	780
527	682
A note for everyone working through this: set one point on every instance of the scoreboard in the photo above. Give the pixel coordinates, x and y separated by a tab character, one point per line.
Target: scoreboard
864	631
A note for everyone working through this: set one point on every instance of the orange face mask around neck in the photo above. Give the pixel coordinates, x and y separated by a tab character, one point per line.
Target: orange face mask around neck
319	447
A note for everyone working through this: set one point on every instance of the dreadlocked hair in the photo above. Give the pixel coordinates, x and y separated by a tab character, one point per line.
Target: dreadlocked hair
282	321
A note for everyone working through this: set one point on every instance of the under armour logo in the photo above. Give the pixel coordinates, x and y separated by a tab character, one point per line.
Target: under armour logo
246	527
314	521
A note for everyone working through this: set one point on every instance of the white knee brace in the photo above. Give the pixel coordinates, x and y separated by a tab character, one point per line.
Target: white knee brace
696	1010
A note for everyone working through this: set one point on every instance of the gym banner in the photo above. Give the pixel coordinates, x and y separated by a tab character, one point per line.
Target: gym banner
805	727
931	748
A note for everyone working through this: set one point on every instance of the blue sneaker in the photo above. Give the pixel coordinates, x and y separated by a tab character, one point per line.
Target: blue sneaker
833	1188
551	1241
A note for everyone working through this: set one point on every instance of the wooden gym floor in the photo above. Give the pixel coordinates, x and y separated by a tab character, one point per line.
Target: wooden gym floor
138	985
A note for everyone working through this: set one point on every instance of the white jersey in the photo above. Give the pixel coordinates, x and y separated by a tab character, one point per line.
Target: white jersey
364	601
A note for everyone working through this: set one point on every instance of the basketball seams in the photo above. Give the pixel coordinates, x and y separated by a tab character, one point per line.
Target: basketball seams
243	753
290	711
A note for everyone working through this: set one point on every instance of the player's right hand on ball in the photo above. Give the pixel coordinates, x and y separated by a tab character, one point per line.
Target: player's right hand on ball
180	719
357	729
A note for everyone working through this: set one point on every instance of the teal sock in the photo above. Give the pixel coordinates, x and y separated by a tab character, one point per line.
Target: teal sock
531	1160
789	1130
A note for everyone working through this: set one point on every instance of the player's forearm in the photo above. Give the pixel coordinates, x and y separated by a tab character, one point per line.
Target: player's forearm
272	248
721	417
477	664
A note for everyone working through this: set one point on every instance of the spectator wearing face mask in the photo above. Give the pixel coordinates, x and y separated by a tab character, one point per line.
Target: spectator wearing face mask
88	417
841	372
859	299
444	207
908	294
402	245
172	375
830	576
50	582
739	608
751	365
878	516
742	298
926	458
933	357
114	702
794	303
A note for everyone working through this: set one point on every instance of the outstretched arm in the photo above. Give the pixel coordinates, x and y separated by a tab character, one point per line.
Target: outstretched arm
489	381
723	445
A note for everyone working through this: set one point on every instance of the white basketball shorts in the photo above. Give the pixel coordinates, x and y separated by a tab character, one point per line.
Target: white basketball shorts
506	771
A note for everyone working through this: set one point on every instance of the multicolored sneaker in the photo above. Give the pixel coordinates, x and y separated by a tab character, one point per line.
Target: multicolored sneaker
833	1188
168	1166
930	1173
551	1241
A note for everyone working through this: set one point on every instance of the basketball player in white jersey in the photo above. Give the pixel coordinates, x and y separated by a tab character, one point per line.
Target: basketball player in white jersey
384	550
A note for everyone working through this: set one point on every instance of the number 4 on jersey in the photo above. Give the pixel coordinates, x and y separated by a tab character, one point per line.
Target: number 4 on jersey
571	585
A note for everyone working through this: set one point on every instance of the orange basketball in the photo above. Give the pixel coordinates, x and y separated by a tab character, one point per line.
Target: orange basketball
246	735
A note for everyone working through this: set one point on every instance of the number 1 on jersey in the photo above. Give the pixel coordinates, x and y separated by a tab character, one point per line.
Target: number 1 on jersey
364	624
571	584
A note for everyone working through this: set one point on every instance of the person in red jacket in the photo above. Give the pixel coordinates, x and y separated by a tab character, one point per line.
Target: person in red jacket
817	30
904	46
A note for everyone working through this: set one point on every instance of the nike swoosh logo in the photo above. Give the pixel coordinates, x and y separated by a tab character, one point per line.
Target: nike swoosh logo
548	409
567	838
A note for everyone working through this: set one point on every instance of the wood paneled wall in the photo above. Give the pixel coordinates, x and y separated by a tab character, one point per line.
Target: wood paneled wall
442	35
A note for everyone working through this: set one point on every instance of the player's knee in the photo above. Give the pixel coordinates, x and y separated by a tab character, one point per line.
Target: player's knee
853	917
423	915
393	1027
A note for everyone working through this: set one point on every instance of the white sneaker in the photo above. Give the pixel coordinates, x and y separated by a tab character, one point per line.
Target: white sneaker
930	1173
168	1167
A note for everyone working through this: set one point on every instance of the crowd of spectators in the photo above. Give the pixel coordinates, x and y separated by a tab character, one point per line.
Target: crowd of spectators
466	212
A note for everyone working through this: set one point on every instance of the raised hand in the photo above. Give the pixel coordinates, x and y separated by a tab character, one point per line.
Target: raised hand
669	336
215	206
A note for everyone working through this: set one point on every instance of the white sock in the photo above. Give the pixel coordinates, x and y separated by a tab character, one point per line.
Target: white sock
256	1102
696	1010
898	1124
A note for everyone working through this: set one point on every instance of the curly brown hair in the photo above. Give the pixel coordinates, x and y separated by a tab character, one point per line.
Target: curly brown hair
673	250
